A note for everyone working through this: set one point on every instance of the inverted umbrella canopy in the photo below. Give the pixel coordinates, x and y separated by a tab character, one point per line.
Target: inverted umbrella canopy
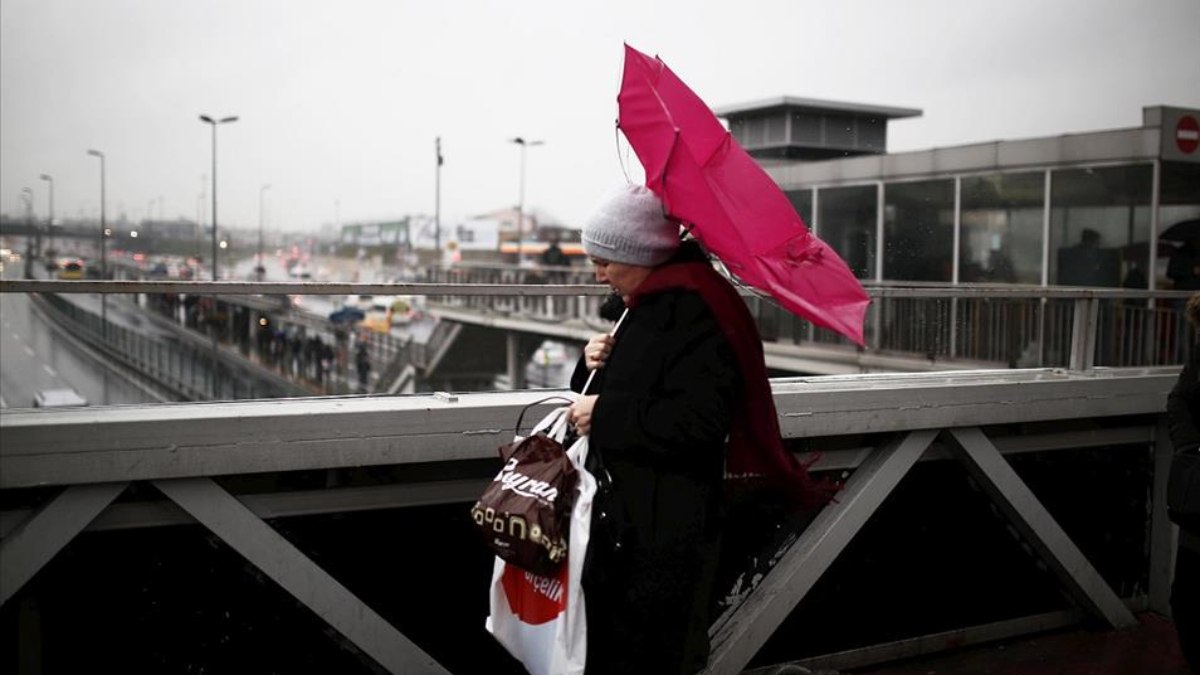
706	180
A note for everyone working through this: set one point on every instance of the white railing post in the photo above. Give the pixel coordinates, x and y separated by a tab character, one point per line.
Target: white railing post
1084	325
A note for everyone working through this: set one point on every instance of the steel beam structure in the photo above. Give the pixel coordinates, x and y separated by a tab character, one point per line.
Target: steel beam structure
1038	527
62	447
47	531
180	447
287	565
737	637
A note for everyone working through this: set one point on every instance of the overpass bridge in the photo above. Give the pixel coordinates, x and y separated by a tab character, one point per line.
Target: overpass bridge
335	502
478	341
473	341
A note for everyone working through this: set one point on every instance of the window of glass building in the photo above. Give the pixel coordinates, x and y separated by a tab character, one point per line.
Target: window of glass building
1177	254
1001	237
802	201
847	223
919	231
1099	219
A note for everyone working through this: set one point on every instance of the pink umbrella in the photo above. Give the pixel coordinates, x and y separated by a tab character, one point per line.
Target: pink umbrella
707	180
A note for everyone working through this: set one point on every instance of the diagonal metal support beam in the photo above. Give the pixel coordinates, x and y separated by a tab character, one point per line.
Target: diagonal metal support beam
289	567
40	538
1034	522
739	638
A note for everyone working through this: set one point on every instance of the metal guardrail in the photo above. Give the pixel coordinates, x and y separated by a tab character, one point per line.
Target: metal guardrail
963	324
982	324
189	367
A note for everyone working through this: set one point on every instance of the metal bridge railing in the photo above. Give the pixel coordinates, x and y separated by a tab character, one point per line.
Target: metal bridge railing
965	324
1008	325
233	467
185	369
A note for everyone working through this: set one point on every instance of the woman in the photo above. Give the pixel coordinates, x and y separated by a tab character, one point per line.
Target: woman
680	397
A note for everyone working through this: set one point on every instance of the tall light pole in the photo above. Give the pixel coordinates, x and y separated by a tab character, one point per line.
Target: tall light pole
50	215
27	197
32	244
437	200
213	123
103	223
260	269
521	196
103	247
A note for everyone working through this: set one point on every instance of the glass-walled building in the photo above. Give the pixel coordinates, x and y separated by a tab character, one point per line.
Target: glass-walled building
1078	209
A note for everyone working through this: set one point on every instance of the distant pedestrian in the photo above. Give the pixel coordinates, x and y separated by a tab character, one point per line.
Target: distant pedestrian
554	257
362	362
1183	267
325	365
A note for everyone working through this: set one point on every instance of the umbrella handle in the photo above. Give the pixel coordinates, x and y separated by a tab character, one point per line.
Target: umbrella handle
592	375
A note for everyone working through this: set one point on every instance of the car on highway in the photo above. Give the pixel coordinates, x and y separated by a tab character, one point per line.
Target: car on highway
59	398
377	317
382	312
70	269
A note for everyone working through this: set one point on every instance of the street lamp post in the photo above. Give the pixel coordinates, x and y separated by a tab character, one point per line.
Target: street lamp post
27	197
437	199
50	215
260	269
521	196
103	247
32	244
103	223
213	123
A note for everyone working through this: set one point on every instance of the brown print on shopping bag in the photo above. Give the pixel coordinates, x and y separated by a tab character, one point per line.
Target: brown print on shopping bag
525	513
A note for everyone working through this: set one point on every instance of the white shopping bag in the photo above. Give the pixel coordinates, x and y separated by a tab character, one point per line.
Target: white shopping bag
542	620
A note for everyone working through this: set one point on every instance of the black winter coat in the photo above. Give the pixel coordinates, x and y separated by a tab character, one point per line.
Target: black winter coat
1183	405
1183	418
659	425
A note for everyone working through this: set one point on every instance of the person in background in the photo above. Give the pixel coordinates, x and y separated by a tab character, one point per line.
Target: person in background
680	396
362	363
554	257
1183	267
1183	419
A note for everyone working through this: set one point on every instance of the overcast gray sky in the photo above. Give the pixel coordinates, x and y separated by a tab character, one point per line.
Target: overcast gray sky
340	102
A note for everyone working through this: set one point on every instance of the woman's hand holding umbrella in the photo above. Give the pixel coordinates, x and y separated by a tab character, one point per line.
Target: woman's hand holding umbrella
597	350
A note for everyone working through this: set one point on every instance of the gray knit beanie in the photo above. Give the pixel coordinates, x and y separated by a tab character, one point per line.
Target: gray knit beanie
629	227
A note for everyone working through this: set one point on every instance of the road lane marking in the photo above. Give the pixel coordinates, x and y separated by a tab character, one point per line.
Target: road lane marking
29	350
3	403
51	371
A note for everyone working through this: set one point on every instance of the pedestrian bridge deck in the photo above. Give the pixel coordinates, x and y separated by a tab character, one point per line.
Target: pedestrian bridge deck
243	470
1151	647
876	426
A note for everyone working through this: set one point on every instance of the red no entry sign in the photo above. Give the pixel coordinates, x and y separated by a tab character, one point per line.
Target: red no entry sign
1187	134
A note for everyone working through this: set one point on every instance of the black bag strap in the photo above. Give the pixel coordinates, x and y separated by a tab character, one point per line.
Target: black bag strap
521	417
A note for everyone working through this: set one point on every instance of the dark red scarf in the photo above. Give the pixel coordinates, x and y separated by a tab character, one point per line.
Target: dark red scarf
756	450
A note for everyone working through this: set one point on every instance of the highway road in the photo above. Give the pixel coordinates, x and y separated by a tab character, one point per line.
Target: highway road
34	356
